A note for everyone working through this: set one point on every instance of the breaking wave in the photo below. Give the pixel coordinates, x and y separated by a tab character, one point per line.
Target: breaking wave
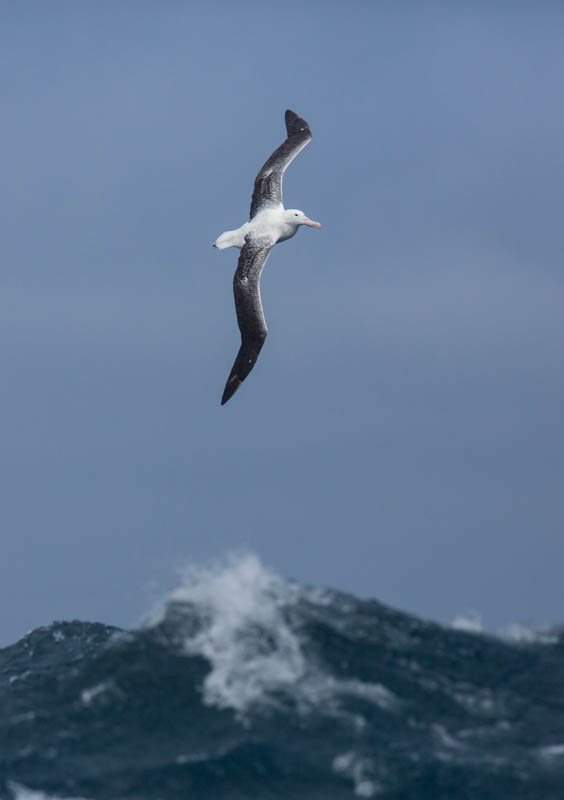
241	684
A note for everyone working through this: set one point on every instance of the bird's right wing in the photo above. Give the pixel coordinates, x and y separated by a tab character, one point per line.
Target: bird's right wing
250	316
268	183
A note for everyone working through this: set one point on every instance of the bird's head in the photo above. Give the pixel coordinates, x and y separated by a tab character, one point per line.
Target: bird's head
296	217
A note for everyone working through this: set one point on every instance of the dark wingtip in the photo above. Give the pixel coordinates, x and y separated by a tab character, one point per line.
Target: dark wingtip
245	361
295	124
231	387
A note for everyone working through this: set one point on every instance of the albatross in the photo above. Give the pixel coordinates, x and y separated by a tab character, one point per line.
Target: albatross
269	224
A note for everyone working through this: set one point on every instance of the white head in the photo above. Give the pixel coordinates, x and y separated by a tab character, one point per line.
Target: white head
296	217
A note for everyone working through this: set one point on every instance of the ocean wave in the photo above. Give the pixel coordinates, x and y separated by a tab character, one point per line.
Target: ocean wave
245	621
242	684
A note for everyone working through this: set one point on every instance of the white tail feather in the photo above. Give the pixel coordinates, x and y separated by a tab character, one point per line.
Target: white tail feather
231	238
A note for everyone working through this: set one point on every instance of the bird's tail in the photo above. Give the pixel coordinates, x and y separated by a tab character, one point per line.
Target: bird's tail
229	239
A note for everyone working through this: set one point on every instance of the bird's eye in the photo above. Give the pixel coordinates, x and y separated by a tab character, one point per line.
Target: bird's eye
296	215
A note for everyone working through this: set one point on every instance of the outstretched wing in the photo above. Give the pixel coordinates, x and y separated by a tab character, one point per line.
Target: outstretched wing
246	288
268	183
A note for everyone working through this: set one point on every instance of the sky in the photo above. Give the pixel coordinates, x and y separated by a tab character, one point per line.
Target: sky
401	435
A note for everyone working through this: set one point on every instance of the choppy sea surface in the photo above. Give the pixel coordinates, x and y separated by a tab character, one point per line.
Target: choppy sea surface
243	685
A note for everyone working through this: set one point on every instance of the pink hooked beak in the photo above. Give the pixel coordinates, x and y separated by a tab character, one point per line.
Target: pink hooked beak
311	223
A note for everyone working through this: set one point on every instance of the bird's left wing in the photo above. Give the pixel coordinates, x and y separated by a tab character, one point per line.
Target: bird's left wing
268	183
250	316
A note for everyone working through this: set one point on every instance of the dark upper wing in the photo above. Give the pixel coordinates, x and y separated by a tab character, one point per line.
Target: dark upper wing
246	288
268	183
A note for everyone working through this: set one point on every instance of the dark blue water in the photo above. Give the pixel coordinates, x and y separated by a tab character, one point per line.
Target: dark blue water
245	686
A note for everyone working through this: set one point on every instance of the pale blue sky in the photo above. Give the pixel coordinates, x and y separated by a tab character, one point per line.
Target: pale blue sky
401	435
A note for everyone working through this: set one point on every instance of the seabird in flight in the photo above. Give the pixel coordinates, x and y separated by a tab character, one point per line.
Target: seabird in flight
269	224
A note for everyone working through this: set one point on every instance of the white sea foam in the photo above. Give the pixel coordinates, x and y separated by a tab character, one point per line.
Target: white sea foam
21	677
88	695
449	749
26	716
552	751
359	771
20	792
478	701
471	622
247	628
445	739
373	692
517	633
243	631
513	632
